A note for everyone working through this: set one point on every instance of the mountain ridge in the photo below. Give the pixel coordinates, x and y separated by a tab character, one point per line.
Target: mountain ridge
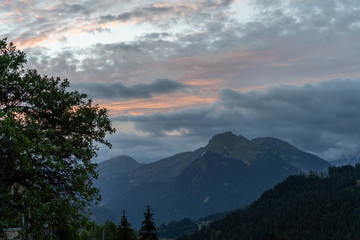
229	172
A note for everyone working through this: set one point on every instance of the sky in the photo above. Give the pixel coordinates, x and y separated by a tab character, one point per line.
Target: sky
174	73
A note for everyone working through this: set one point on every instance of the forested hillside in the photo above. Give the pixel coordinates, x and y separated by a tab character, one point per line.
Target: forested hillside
301	207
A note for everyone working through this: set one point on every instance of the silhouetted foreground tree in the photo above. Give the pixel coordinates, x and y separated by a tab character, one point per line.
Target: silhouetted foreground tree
125	232
148	228
48	137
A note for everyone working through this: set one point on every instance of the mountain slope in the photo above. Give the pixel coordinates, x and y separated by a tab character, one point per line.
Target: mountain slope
229	172
165	169
350	159
116	166
301	207
113	176
292	155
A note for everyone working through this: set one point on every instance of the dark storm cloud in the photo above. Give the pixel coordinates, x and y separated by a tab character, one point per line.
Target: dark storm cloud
120	91
172	12
64	8
326	107
143	14
322	118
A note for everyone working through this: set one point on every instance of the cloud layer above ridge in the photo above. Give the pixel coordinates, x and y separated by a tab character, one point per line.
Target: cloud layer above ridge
174	73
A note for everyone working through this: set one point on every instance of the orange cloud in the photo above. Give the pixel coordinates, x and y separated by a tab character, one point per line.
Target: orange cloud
162	104
54	35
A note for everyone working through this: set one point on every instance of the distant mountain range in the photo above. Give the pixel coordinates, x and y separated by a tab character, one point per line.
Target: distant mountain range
229	172
350	159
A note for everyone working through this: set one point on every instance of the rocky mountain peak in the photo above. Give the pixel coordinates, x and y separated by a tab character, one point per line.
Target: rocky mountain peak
118	164
230	145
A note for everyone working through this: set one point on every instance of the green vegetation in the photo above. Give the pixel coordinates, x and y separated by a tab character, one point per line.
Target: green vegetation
309	207
92	231
185	226
48	136
124	230
148	229
177	228
109	230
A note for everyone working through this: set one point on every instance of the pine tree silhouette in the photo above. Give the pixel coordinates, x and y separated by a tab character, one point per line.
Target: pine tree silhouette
124	231
148	228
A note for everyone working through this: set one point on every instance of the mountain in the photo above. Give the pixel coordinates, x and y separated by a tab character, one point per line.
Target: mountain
312	207
113	178
229	172
290	154
164	170
124	176
233	171
115	166
351	159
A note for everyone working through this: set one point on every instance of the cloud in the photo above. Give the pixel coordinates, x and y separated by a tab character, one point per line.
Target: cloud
204	44
147	148
304	41
140	14
120	91
287	44
172	12
320	118
35	22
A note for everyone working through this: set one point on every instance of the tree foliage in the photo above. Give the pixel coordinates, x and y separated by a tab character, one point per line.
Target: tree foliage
177	228
148	228
48	136
125	232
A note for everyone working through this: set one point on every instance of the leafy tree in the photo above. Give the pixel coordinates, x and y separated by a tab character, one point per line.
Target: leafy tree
90	230
148	228
109	231
125	232
48	136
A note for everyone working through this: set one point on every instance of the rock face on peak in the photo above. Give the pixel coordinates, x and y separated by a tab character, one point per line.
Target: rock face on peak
302	160
229	172
232	146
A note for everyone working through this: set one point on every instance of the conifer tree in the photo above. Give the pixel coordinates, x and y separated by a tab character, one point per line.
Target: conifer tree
148	228
124	231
